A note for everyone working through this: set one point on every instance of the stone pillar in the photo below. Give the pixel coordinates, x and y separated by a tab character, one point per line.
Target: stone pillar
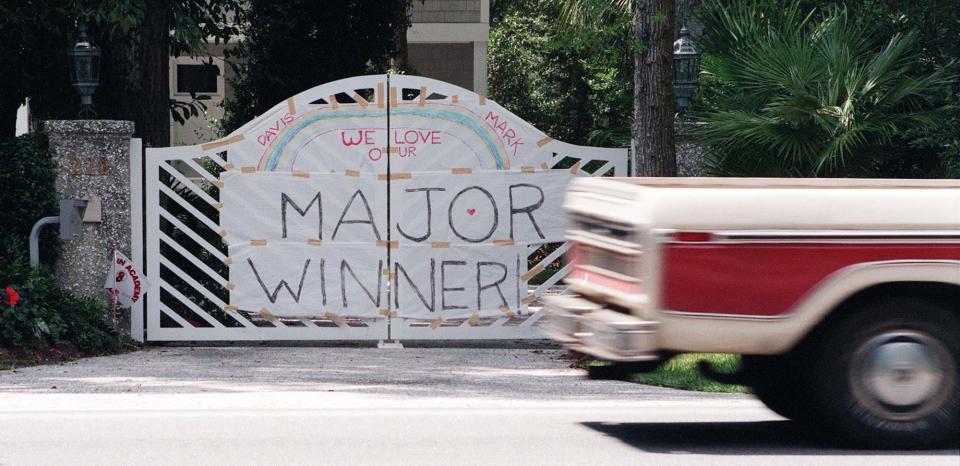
92	159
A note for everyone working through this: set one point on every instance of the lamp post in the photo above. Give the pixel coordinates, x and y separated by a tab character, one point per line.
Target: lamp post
686	69
84	70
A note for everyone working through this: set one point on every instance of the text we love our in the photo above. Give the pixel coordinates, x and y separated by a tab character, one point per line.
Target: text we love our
406	140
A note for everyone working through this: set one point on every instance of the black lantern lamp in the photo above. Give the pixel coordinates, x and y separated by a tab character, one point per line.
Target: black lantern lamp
686	69
84	70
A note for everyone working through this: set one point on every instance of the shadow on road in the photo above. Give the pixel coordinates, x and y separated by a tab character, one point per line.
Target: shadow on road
735	438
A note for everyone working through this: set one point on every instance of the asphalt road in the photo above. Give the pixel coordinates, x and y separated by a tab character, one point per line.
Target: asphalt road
367	406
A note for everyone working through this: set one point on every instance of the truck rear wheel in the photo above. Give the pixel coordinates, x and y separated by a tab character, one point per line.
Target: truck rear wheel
888	374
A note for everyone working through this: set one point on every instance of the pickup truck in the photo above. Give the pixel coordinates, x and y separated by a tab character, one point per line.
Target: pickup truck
841	295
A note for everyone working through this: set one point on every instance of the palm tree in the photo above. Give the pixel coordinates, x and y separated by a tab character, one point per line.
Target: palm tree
808	95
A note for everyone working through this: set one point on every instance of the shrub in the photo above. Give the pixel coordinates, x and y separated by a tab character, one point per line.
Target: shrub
805	94
28	193
44	314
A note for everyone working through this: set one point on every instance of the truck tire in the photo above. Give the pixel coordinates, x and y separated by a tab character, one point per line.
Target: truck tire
778	382
886	375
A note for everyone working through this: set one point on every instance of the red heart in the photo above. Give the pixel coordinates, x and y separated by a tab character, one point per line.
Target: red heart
471	211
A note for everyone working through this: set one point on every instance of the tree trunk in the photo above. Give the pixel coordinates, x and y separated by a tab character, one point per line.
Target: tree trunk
153	124
401	57
653	22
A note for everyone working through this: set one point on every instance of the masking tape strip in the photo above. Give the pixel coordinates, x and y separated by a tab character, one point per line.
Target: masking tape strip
461	171
394	176
336	318
301	173
333	102
228	166
248	169
506	310
313	242
222	142
440	244
503	242
387	273
352	173
218	183
530	273
291	106
258	242
387	313
390	150
527	169
230	308
436	323
544	166
267	315
223	233
423	95
230	285
395	244
360	100
218	205
454	99
379	95
529	299
393	96
575	168
544	141
227	260
483	100
474	318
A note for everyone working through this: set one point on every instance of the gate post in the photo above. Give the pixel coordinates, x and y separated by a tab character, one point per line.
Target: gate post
92	162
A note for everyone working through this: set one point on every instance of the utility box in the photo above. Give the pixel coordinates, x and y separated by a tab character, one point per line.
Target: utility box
71	219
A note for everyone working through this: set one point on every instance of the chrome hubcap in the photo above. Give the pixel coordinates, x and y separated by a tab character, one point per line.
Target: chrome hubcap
902	375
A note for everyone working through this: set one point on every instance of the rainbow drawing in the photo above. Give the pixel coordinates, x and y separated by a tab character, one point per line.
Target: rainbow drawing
282	152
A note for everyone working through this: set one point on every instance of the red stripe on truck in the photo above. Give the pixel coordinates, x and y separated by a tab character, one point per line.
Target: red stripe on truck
768	279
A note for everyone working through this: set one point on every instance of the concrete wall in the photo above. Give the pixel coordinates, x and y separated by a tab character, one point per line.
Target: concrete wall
201	129
452	63
446	11
448	41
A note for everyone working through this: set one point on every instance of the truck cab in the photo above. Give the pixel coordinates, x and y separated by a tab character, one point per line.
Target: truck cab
843	296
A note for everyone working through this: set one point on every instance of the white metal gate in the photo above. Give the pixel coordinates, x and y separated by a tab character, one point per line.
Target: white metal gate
187	263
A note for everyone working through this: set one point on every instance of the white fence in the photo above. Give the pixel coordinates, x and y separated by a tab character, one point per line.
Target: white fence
187	260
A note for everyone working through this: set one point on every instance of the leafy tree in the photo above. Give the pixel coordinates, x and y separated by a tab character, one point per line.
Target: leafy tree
159	28
808	94
31	32
292	46
934	150
137	38
623	49
569	78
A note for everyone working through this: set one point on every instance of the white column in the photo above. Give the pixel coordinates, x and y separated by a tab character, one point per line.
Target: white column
23	118
480	68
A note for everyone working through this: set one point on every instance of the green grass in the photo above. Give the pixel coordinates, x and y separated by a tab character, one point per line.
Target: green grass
681	372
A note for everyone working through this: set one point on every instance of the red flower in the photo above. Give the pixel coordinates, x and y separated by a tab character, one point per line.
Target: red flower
12	297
